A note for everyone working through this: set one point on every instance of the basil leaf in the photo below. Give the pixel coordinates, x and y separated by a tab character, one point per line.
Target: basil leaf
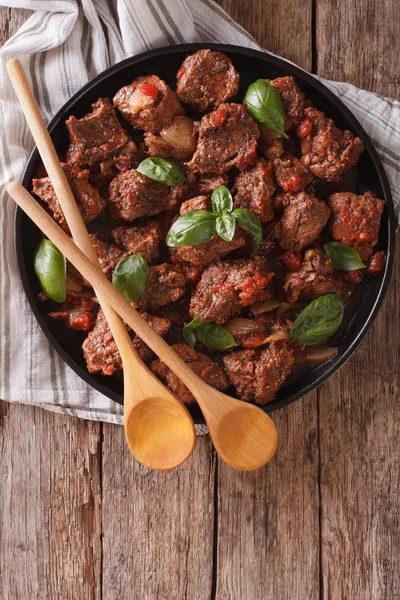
194	323
265	105
222	201
189	335
51	268
343	257
215	336
249	222
130	276
318	321
225	227
161	170
192	228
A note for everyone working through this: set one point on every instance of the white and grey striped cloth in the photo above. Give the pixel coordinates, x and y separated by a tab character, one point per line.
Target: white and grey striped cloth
62	45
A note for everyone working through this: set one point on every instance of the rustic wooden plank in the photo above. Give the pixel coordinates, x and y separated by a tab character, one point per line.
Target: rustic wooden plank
50	518
268	532
157	527
359	407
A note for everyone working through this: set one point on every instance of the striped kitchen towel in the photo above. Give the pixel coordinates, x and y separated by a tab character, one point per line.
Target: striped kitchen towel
62	45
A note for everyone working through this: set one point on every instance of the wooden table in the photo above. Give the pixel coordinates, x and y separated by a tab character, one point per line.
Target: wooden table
81	520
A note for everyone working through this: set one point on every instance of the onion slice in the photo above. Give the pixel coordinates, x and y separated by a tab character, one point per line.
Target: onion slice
314	355
266	306
180	134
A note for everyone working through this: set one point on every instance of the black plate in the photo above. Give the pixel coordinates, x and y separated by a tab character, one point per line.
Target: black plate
164	62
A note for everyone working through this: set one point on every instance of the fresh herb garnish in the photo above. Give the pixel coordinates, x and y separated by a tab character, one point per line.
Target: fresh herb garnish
343	257
198	226
161	170
51	268
265	105
212	336
318	321
130	276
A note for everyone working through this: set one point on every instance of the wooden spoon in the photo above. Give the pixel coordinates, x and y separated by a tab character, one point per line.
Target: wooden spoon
243	435
158	427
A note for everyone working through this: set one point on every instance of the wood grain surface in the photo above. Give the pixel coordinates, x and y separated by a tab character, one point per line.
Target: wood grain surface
79	519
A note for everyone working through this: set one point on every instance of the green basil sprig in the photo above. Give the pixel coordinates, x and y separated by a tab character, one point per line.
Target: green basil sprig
161	170
130	276
212	336
198	226
318	321
343	257
265	105
51	269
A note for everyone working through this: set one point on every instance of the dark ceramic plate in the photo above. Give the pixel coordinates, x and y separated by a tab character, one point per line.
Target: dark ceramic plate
368	175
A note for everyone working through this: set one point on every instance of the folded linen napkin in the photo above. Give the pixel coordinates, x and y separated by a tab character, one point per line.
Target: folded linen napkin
62	45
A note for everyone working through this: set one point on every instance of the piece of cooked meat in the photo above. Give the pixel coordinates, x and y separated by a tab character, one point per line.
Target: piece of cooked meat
87	197
327	150
253	189
316	277
208	370
205	183
215	249
109	254
226	286
270	143
206	79
148	103
166	283
292	99
134	195
301	222
97	136
227	138
146	239
101	352
291	174
258	374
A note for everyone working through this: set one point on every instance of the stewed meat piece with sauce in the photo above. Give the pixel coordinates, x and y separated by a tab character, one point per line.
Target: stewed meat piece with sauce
292	99
291	174
206	79
316	277
270	143
97	136
355	220
227	138
77	312
101	352
205	183
258	374
166	283
227	286
215	249
253	189
146	238
302	221
134	195
88	199
148	103
109	254
327	150
207	369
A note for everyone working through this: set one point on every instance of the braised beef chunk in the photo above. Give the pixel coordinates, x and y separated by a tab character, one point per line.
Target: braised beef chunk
253	189
216	248
87	197
208	370
206	79
292	98
327	151
291	174
77	312
166	283
355	220
270	143
108	254
226	286
134	195
148	103
316	277
146	239
302	221
206	183
97	136
258	374
227	138
101	352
